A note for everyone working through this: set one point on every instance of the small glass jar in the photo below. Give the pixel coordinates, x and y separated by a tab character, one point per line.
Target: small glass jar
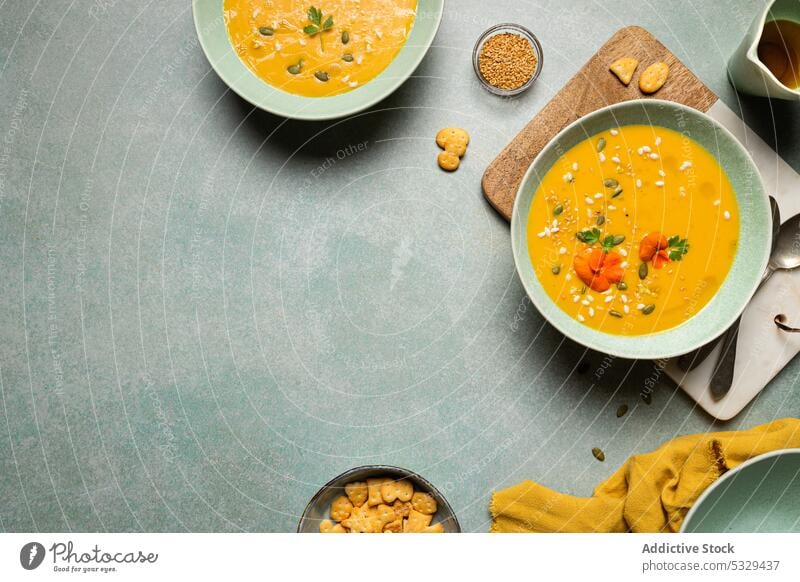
505	29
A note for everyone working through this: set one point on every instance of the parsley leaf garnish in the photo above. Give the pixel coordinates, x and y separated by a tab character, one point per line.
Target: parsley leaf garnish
677	247
588	236
318	26
612	240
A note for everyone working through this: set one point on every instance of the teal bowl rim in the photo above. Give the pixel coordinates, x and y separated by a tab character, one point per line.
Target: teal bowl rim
728	476
722	310
211	29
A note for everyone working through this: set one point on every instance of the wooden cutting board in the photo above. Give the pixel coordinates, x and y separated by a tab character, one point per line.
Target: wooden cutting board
592	87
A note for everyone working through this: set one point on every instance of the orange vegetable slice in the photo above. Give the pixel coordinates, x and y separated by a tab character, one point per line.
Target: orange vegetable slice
597	269
652	244
660	259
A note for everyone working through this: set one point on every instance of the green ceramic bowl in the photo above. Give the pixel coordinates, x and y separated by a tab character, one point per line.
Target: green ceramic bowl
214	39
760	495
754	236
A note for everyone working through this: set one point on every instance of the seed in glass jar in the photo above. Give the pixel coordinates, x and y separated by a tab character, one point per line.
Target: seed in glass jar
643	271
599	454
507	61
622	410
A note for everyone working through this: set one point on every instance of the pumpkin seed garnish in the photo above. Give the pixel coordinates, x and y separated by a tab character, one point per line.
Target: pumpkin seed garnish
648	309
610	183
600	220
601	144
615	313
617	191
345	37
622	285
618	239
266	31
347	57
556	269
622	410
296	68
583	290
322	76
599	454
558	210
643	271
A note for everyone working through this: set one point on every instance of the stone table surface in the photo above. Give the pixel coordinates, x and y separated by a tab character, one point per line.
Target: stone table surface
208	311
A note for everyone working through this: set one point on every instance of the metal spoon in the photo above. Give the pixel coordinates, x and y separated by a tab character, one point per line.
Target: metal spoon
690	361
785	256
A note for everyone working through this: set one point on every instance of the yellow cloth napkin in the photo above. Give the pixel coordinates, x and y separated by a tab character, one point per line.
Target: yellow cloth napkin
649	493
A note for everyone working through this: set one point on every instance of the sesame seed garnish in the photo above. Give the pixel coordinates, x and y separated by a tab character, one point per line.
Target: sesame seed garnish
660	183
653	156
726	215
507	61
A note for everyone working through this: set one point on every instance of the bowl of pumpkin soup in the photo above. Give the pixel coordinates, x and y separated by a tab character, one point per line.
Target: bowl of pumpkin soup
642	229
321	59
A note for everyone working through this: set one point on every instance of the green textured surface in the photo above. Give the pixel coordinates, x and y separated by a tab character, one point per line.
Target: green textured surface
203	320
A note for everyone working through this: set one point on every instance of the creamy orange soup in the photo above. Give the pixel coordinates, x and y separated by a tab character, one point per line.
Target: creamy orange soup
321	49
633	230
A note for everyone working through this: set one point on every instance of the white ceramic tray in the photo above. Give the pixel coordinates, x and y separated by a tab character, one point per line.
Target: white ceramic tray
763	350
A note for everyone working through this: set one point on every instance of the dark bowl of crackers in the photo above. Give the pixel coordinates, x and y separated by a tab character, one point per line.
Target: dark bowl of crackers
378	499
